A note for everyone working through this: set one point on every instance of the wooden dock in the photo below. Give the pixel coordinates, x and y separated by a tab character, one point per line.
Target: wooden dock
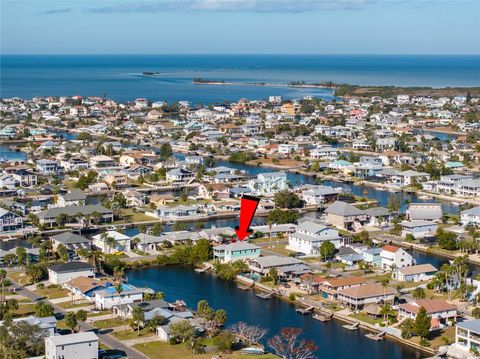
265	295
200	270
376	337
322	318
353	326
304	311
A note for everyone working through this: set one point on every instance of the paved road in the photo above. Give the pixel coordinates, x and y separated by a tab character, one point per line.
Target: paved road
104	338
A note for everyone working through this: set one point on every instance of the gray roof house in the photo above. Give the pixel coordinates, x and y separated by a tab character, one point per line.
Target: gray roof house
71	241
49	216
344	215
425	212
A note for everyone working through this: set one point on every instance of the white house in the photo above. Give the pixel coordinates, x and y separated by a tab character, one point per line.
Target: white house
467	335
64	272
166	212
109	297
120	242
395	257
415	273
418	229
470	216
10	221
179	174
361	295
309	237
269	183
83	345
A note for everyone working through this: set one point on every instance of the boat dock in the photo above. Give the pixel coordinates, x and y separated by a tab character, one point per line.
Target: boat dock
265	295
351	326
322	318
304	311
376	337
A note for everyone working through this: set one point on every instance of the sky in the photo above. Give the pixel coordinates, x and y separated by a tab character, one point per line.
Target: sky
240	26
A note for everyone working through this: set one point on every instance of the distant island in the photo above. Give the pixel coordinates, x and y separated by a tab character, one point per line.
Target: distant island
348	90
150	73
199	80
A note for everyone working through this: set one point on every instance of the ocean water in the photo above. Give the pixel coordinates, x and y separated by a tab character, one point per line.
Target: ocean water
120	76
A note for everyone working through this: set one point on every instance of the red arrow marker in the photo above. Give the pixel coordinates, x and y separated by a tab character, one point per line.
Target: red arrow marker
248	207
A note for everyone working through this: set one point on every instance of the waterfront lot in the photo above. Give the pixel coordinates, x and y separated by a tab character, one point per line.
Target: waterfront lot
163	350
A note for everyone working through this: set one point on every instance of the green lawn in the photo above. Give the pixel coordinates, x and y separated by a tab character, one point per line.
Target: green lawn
438	337
367	318
52	293
98	314
24	310
75	304
131	334
164	350
110	323
19	277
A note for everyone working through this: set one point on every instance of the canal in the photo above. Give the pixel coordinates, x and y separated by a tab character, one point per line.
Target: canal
380	196
178	282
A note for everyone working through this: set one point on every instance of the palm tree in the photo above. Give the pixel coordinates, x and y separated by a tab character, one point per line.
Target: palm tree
386	311
3	277
108	240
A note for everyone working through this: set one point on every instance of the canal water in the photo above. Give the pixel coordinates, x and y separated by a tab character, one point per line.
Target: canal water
178	282
380	196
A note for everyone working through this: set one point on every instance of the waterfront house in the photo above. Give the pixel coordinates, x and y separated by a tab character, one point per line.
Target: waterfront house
310	235
74	197
418	229
378	217
467	336
319	195
329	287
150	308
175	212
236	251
470	217
324	153
443	314
425	212
395	258
72	346
111	241
361	295
415	273
269	183
368	167
410	177
345	216
469	188
75	213
180	175
286	266
71	241
146	242
10	221
64	272
109	297
85	286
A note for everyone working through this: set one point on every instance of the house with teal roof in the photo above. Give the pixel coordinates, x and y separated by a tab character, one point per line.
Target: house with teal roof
236	251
